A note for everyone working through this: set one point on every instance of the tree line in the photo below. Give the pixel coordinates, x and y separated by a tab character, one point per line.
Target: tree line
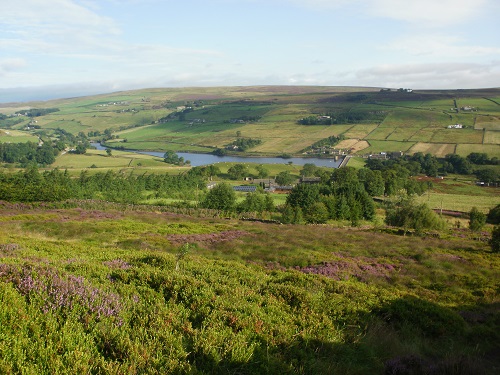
31	185
478	164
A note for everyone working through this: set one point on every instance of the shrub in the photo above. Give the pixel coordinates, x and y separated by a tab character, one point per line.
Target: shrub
476	219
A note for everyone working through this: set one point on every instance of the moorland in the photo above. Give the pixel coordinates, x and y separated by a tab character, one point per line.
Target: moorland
115	262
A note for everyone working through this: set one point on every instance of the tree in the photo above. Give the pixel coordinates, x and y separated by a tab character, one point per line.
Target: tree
487	175
407	214
292	215
171	157
109	151
80	149
45	154
494	215
476	219
284	178
480	158
303	196
254	202
262	171
460	165
220	197
308	170
237	171
372	181
317	213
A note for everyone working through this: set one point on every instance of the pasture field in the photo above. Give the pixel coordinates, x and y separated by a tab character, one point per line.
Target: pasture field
356	162
360	131
414	118
492	137
424	134
437	149
491	149
270	113
97	161
481	105
458	202
460	193
109	289
383	146
458	136
16	136
488	123
402	134
380	133
352	144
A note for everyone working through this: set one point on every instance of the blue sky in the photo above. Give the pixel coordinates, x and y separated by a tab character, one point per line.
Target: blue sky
57	48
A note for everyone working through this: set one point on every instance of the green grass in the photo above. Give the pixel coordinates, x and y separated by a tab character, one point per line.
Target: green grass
356	162
382	146
95	161
458	136
16	136
459	202
460	193
465	149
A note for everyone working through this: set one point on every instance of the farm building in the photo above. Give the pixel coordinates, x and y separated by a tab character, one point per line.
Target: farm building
245	188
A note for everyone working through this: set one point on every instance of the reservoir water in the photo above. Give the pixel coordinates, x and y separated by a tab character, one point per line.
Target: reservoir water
205	159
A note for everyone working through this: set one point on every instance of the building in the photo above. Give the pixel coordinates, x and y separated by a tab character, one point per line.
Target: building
245	188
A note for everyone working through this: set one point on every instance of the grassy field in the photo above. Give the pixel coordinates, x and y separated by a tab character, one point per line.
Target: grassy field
459	202
16	136
459	193
437	149
377	146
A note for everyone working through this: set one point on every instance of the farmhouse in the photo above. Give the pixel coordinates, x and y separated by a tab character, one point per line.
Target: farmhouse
456	126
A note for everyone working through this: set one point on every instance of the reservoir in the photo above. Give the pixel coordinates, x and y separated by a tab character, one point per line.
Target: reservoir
205	159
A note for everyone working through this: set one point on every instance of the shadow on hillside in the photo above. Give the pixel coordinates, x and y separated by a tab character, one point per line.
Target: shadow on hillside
405	336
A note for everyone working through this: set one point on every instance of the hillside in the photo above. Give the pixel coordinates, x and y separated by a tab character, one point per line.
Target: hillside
204	119
94	287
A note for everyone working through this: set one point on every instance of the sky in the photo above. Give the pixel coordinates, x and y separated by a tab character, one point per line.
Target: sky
62	48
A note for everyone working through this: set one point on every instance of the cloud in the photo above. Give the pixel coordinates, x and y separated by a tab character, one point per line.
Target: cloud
12	64
429	76
53	26
435	13
55	15
428	13
439	46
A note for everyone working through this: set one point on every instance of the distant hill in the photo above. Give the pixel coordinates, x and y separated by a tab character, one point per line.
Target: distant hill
278	119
